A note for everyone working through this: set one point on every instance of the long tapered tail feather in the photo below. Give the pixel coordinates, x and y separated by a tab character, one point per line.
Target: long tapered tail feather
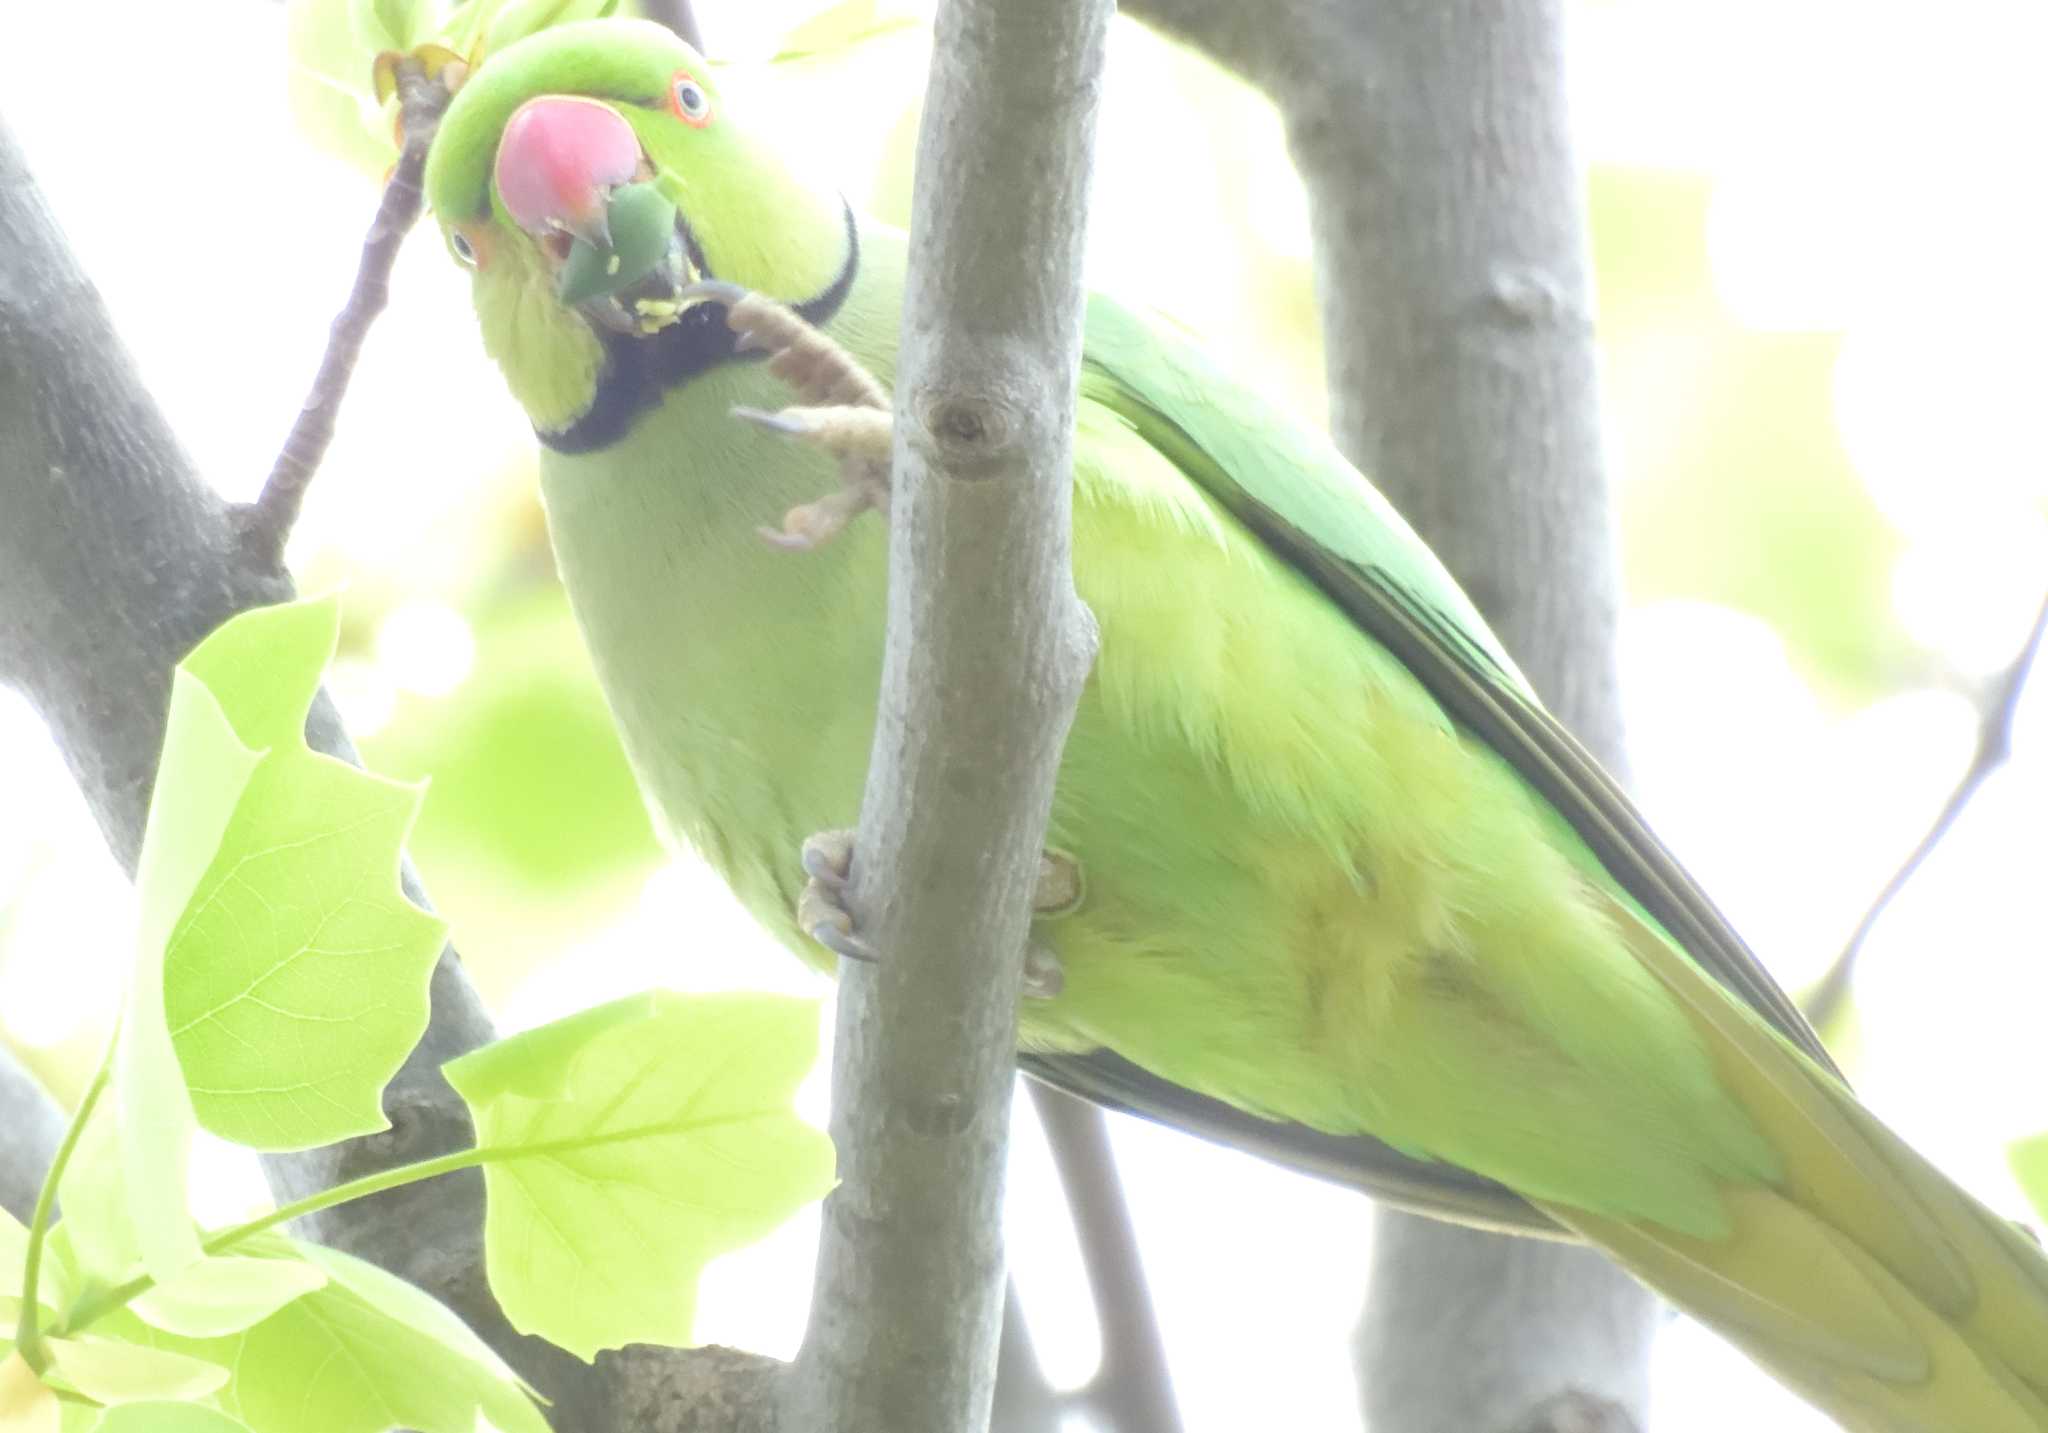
1864	1278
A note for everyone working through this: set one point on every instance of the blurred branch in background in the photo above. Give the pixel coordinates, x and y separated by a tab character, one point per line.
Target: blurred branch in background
1454	283
1998	700
680	16
1132	1390
30	1127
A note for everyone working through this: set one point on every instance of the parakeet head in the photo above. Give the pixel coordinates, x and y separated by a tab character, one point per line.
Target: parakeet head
585	176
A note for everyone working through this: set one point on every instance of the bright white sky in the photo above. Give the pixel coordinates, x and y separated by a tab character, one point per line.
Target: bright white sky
1877	173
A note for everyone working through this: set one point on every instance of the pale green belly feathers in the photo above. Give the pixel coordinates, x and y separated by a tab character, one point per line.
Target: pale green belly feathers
1278	828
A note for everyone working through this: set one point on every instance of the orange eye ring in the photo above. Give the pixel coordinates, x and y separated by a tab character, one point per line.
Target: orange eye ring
469	245
688	100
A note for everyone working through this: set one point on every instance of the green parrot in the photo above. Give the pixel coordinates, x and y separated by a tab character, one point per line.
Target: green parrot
1323	880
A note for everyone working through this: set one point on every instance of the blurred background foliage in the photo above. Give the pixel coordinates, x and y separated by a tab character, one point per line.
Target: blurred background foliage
1820	305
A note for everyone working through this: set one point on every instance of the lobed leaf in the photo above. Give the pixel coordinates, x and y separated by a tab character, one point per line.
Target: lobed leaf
629	1145
365	1353
296	982
327	85
204	770
219	1296
112	1370
281	975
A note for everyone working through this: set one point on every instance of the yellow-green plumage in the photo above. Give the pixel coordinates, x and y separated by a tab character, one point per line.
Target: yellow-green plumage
1313	892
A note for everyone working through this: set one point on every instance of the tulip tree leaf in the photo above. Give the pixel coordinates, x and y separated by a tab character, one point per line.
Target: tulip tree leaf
630	1144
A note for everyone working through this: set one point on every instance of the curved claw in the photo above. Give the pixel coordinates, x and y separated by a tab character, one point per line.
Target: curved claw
773	422
828	857
843	943
717	290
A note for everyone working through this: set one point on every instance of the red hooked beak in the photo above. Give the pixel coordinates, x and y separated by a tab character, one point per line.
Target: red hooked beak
558	160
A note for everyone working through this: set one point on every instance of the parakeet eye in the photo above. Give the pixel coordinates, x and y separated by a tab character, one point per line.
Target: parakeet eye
465	252
691	104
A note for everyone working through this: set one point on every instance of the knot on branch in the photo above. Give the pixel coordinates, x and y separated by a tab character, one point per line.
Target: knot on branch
971	432
1526	296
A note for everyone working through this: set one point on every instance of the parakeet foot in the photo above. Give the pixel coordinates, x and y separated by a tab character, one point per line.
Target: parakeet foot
822	914
860	439
841	409
1044	976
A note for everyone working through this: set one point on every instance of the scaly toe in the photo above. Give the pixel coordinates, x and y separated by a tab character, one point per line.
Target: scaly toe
844	944
822	915
1044	976
828	856
1060	888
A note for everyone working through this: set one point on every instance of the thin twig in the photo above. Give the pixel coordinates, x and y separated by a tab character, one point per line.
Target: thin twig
1132	1391
1994	745
679	16
267	523
1025	1400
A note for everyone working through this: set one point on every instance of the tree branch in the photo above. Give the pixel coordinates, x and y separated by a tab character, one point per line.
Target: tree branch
988	648
680	16
1132	1390
31	1127
115	559
267	523
1995	709
1455	292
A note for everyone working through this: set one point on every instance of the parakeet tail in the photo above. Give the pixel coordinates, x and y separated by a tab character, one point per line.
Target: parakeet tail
1863	1278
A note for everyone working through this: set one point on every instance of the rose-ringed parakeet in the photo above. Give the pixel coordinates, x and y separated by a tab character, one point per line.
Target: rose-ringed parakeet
1324	878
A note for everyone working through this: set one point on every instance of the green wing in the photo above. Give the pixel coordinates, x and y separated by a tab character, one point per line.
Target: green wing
1300	497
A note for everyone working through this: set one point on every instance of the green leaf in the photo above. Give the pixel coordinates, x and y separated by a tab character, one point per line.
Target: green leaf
26	1404
838	28
167	1418
98	1230
573	828
327	84
629	1145
406	1305
366	1353
281	976
517	19
53	1284
226	1295
57	1285
203	773
296	982
392	24
116	1371
2029	1159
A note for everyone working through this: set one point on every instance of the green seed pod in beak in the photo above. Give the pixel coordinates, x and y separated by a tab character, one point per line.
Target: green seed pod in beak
642	225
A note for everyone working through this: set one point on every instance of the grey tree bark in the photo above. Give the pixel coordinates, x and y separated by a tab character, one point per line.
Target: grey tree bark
988	649
30	1128
1456	299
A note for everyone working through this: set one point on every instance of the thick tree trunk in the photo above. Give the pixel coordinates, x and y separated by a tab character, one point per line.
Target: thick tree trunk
1456	298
